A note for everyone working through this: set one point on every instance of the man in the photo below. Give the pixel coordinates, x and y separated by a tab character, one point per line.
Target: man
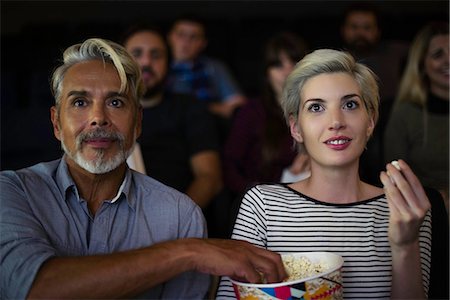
191	72
179	142
361	35
86	226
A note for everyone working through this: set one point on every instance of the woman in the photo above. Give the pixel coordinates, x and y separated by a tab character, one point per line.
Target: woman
259	146
385	237
418	129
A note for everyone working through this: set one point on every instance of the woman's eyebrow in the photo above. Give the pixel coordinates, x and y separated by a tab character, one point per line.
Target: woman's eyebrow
351	96
320	100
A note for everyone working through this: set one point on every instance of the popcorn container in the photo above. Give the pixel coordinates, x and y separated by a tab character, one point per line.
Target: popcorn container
312	275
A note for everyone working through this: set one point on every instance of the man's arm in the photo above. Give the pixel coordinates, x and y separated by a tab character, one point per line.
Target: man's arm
207	180
128	274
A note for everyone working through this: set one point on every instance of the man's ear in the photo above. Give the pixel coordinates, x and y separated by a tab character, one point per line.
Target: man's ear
55	121
295	132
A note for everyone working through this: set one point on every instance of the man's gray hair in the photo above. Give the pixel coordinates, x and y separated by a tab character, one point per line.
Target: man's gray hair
107	51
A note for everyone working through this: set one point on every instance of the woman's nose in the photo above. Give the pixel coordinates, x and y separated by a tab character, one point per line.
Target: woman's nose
336	125
337	121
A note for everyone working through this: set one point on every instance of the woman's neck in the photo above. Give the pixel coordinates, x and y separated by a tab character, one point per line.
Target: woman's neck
440	92
336	185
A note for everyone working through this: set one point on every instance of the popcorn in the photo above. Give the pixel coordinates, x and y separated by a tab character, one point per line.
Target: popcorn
301	267
396	165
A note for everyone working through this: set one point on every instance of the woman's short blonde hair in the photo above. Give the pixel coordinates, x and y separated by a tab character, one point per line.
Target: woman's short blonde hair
325	61
107	51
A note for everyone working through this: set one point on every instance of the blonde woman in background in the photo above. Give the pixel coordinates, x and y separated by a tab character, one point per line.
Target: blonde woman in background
418	129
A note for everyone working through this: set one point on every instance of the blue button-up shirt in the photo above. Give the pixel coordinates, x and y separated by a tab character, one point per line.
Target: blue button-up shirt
43	216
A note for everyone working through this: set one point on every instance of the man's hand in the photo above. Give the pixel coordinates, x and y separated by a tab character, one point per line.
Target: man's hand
239	260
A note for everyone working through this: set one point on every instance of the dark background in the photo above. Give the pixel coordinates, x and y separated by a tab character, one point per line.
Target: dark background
34	34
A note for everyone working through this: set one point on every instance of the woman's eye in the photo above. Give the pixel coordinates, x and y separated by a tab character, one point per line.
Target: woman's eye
437	54
351	104
315	107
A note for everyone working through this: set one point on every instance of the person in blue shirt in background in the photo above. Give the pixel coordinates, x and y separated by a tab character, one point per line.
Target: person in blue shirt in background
206	78
192	72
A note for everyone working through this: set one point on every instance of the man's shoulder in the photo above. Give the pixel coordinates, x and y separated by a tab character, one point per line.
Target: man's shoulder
396	49
212	63
149	187
185	97
185	101
40	171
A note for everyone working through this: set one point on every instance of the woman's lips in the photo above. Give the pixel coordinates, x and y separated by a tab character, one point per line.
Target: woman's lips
338	143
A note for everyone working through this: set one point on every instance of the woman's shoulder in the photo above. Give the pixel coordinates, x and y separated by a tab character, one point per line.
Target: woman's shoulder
268	187
401	107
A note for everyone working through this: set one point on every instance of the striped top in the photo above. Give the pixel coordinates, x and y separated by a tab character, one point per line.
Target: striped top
280	219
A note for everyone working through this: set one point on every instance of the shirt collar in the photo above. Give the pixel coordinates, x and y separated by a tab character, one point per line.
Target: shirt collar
65	182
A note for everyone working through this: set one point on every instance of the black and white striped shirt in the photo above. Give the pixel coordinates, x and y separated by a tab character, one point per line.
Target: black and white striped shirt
283	220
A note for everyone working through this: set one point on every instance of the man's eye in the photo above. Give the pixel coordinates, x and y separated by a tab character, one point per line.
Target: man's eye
136	53
116	103
181	34
79	102
157	55
315	107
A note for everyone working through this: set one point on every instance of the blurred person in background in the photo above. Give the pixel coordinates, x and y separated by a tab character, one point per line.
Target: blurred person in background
418	128
361	35
179	141
260	147
207	78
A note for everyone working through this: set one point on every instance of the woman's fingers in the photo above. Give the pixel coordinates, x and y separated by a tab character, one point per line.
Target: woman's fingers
408	203
415	185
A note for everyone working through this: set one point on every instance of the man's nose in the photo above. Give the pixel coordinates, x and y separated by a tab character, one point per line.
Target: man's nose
146	60
99	116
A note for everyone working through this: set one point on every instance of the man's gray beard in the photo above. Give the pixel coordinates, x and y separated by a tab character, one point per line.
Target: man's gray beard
99	165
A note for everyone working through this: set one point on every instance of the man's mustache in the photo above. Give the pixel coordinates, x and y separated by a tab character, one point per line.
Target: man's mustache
148	69
98	134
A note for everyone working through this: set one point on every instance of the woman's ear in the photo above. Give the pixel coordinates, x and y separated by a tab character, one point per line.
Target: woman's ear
295	130
370	128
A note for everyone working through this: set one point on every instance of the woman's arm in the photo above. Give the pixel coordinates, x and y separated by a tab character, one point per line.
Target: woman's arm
408	205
